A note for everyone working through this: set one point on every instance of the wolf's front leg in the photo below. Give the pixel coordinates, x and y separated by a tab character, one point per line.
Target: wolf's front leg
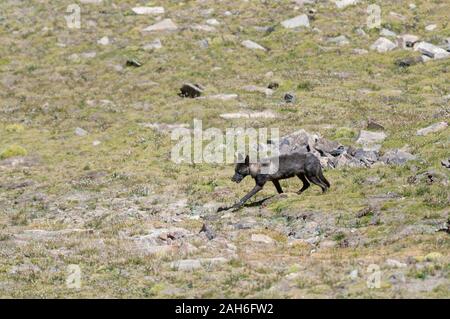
239	204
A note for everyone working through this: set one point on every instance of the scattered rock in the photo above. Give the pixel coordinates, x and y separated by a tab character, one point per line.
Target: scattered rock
164	25
372	125
202	27
19	161
360	51
298	21
431	50
406	41
273	85
134	63
148	10
260	89
261	238
249	115
154	45
397	157
191	90
436	127
222	97
103	41
429	177
164	127
341	4
80	132
370	139
446	163
208	231
387	33
289	98
186	264
212	22
431	27
252	45
328	244
406	62
383	45
340	40
395	263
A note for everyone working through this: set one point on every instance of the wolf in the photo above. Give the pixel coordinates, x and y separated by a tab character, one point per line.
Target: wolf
303	165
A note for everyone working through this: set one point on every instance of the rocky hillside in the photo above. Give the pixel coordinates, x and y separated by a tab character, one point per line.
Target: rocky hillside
87	186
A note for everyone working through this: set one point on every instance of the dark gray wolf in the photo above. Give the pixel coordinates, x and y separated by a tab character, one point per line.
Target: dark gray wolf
305	166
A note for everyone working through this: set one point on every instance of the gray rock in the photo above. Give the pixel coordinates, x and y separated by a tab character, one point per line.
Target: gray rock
164	25
436	127
103	41
249	115
431	27
252	45
341	4
393	263
210	234
298	21
80	132
222	97
261	238
186	264
212	22
340	40
397	157
406	62
154	45
360	51
446	163
325	146
406	41
202	27
148	10
370	139
431	50
383	45
204	44
260	89
133	63
289	98
387	33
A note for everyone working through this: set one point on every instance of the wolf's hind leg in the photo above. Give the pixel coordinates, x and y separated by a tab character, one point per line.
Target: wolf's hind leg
306	184
277	186
315	180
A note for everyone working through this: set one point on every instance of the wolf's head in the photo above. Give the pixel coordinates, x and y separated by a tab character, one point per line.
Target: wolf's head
241	170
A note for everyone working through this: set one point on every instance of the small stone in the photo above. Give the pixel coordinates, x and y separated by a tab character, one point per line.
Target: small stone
383	45
398	157
249	115
261	238
252	45
80	132
164	25
289	98
395	263
446	163
148	10
273	85
434	128
341	4
154	45
254	88
406	62
354	274
360	51
340	40
202	27
328	244
190	90
96	143
431	50
431	27
298	21
412	6
204	44
406	41
208	231
133	62
186	264
212	22
387	33
103	41
372	125
368	138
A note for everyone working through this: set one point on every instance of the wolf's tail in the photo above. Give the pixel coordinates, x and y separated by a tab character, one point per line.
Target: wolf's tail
322	178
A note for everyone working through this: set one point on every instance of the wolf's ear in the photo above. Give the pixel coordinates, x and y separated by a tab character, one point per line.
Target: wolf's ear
247	160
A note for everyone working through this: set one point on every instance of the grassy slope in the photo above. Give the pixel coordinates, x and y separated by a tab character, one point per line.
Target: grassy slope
49	95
